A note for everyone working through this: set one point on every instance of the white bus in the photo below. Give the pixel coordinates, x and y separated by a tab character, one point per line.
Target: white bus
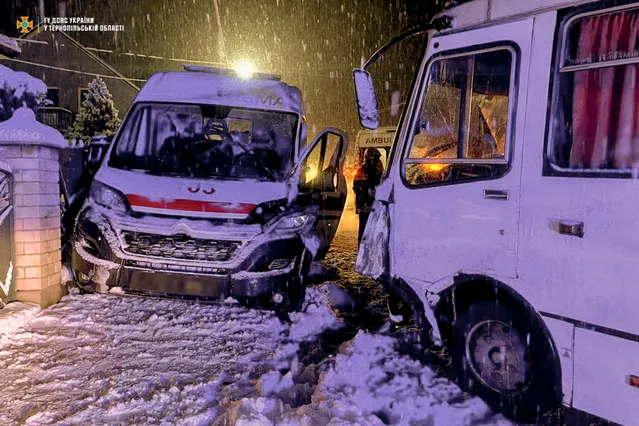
508	216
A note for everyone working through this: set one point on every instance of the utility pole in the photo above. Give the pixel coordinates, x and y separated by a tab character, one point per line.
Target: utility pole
223	57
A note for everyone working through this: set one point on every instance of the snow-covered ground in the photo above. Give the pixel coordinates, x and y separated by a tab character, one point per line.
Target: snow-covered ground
108	359
127	360
15	316
370	383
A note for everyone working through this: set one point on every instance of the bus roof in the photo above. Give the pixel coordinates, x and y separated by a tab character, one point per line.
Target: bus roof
479	12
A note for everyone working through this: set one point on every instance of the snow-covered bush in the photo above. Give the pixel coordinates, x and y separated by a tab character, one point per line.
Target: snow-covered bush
18	89
97	115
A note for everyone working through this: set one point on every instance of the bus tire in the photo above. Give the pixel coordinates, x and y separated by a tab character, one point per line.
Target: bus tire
501	354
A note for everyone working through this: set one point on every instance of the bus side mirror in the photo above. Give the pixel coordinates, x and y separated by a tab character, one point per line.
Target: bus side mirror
366	99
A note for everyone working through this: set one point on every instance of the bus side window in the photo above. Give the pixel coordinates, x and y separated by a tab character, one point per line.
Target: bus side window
463	116
595	127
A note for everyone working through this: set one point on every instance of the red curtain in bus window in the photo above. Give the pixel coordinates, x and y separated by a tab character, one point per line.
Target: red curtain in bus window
605	118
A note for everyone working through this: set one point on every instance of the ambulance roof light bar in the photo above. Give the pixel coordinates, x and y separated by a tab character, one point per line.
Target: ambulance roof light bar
231	72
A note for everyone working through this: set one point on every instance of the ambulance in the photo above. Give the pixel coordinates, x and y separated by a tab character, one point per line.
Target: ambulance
209	191
380	139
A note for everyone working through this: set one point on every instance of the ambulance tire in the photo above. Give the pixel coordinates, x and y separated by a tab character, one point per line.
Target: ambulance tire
297	288
500	353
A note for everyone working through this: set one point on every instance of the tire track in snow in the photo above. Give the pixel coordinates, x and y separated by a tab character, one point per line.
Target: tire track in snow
109	359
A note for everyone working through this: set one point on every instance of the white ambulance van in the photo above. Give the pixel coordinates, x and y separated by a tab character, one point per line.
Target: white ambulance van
508	217
209	191
381	139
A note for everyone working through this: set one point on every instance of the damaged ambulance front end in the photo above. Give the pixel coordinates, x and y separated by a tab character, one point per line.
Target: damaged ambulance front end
199	196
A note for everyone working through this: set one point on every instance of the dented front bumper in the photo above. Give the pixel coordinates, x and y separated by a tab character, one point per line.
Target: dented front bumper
207	262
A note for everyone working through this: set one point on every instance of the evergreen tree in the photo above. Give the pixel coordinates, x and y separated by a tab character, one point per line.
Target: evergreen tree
97	115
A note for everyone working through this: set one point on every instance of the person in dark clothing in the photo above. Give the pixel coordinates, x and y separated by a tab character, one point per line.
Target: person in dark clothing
367	177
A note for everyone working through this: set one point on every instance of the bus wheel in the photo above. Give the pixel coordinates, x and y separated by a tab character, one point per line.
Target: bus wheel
501	355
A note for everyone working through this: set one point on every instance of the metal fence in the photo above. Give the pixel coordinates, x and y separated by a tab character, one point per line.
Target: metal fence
72	168
78	165
57	117
6	235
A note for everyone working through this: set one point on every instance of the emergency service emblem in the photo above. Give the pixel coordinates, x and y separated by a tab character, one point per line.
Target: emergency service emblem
24	25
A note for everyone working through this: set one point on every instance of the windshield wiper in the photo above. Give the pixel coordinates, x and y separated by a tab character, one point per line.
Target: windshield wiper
266	169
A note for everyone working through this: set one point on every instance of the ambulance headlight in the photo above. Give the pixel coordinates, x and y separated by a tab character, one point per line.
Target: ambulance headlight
108	197
294	222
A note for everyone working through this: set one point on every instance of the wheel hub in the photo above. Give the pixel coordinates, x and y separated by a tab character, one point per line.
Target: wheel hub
497	356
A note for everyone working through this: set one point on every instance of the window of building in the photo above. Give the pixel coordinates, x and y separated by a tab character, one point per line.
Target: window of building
595	122
82	96
53	96
461	131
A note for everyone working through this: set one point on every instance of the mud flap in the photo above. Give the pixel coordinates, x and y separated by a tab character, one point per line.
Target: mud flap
429	301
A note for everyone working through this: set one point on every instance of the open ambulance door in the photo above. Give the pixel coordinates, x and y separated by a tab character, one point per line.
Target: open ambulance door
322	175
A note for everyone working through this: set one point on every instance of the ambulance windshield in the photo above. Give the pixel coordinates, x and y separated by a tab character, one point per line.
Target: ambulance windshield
206	141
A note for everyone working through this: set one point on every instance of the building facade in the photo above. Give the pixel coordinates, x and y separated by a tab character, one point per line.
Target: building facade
66	67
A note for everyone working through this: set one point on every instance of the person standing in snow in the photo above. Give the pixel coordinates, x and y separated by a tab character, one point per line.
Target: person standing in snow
367	177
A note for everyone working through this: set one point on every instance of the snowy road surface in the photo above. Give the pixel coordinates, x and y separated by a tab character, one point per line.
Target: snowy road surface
124	360
95	359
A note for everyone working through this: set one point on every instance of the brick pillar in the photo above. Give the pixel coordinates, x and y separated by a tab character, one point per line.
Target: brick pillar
31	149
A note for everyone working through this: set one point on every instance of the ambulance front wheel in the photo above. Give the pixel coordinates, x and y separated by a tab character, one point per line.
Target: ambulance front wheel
297	288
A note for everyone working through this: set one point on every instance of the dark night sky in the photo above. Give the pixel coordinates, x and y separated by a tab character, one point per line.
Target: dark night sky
313	44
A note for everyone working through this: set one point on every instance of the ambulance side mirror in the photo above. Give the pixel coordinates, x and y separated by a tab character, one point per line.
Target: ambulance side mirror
366	99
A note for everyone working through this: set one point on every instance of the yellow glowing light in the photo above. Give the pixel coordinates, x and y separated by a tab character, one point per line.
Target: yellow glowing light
245	68
433	167
310	174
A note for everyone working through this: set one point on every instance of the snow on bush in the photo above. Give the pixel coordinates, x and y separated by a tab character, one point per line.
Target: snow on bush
97	115
18	89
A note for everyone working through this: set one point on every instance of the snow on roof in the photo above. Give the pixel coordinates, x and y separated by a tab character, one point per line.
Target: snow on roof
477	12
200	87
9	46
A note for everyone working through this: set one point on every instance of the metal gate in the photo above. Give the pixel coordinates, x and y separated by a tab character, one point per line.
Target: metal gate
6	233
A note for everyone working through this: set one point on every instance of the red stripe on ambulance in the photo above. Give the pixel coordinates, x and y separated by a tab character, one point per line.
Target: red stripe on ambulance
189	205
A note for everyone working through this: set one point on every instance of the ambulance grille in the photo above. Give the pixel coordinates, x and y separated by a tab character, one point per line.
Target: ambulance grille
180	247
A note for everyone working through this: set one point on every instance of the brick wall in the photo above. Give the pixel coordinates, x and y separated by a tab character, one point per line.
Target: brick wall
31	149
36	222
